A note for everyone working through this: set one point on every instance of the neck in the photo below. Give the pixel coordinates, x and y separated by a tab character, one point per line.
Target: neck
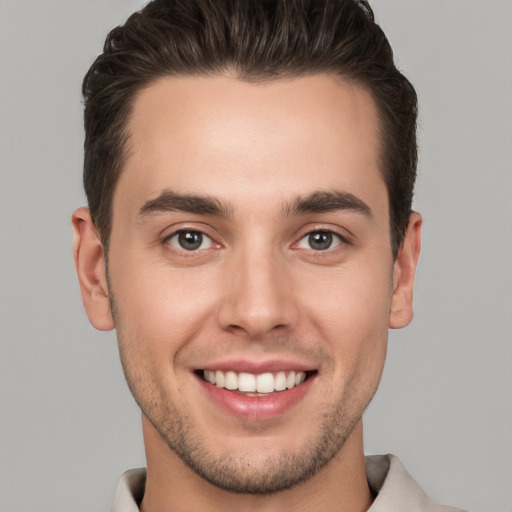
340	486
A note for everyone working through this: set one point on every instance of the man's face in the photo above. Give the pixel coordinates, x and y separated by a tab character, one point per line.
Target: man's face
251	273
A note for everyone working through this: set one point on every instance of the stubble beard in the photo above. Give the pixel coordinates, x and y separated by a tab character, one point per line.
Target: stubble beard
239	473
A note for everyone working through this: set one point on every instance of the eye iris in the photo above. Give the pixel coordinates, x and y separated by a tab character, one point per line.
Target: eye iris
190	240
320	240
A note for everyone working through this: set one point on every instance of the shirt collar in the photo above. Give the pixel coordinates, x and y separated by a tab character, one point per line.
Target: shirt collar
389	481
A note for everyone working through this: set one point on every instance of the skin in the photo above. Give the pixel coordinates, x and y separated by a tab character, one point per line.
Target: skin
256	291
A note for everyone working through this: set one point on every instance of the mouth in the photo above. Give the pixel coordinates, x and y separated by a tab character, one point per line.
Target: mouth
255	385
257	391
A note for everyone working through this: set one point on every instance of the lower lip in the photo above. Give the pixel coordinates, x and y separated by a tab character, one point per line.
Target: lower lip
257	408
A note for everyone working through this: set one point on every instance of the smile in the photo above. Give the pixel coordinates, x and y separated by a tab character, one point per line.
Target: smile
256	393
260	384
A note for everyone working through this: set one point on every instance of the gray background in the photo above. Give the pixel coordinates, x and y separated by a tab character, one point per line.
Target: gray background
68	426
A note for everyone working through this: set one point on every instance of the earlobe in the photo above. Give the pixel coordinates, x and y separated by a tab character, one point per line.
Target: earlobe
89	259
404	271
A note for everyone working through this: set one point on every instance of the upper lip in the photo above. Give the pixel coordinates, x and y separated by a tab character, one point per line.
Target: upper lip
257	367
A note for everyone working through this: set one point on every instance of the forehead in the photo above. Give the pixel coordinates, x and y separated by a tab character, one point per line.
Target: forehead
244	141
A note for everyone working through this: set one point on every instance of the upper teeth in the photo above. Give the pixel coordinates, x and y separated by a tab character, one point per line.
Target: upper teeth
249	383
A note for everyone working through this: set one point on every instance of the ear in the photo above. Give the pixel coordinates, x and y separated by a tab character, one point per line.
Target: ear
89	258
404	271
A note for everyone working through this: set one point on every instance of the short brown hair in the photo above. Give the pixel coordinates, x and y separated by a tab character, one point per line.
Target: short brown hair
258	40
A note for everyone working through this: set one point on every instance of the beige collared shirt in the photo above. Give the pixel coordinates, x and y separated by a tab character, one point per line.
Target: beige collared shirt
395	489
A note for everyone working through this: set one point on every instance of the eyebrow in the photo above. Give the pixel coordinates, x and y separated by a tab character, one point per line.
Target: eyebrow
319	202
170	201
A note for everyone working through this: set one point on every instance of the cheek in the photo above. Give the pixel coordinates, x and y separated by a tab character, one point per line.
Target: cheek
159	307
352	316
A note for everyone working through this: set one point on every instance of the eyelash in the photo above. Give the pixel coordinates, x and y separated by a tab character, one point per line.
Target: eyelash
333	238
183	232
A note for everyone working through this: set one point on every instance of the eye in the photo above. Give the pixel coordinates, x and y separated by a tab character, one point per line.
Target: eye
320	240
190	240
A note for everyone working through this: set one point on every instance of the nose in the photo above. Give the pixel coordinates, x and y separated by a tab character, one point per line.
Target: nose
258	295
